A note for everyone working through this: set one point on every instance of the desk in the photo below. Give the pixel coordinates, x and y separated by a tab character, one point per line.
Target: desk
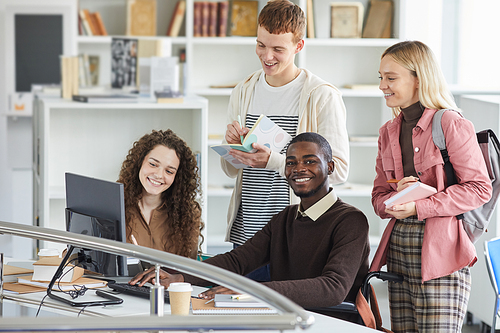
26	305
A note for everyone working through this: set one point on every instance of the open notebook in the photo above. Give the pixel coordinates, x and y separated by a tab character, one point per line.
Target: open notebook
265	132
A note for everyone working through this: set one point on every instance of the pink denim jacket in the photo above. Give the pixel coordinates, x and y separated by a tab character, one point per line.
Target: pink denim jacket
446	247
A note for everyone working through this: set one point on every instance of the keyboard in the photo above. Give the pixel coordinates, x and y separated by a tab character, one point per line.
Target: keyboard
134	290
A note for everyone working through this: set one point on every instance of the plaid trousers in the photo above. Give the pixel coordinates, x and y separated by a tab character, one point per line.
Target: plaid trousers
437	305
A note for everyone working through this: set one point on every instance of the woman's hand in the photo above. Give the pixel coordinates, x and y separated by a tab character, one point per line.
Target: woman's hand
210	293
402	211
234	133
149	276
258	159
405	182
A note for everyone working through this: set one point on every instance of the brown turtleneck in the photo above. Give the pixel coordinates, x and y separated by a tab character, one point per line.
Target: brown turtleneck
411	116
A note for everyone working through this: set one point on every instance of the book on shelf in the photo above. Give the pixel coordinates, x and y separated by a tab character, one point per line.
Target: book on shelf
141	17
91	22
310	19
123	62
198	9
106	98
11	273
45	268
69	76
99	23
64	286
222	15
244	17
204	18
379	20
204	307
413	192
264	132
177	17
212	19
346	19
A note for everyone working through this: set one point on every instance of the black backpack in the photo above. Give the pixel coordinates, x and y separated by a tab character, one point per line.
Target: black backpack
475	221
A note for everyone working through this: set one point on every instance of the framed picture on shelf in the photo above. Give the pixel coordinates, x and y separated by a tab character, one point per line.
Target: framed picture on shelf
346	19
244	18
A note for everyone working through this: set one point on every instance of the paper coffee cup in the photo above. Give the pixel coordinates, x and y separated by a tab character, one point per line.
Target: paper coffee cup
180	298
48	253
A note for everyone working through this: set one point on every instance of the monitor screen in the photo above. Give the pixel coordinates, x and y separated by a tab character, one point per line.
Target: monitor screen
96	207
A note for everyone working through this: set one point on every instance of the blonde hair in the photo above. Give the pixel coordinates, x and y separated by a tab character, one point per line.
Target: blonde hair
418	58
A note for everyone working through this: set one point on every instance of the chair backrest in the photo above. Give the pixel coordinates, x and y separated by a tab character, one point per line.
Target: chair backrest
492	254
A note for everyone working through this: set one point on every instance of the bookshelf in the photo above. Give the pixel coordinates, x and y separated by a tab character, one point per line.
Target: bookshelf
93	140
348	61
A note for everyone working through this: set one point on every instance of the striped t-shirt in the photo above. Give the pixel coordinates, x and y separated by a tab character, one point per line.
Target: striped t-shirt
264	192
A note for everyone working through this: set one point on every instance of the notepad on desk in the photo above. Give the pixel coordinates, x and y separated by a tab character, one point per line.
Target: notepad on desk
265	132
232	306
413	192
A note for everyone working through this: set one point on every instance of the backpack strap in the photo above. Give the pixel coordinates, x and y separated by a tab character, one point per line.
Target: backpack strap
440	142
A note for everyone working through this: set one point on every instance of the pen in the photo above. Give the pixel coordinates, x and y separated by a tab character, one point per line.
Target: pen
209	301
241	297
239	122
134	241
393	181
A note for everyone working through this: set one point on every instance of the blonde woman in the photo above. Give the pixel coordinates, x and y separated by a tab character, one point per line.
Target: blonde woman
424	241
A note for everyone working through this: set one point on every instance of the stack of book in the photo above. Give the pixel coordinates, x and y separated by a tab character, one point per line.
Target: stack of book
210	18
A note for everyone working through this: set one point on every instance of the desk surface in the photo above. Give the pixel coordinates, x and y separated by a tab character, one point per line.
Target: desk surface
26	305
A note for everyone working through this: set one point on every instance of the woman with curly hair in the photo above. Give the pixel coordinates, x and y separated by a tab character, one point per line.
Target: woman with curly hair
160	178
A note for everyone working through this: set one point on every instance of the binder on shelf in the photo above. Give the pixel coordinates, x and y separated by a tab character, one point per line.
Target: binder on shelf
413	192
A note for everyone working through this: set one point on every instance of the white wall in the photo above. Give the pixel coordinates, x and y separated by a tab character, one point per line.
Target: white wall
479	44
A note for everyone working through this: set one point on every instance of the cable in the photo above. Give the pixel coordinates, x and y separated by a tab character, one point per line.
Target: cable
40	306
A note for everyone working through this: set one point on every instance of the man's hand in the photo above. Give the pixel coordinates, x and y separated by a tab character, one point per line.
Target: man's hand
149	276
234	132
258	159
210	293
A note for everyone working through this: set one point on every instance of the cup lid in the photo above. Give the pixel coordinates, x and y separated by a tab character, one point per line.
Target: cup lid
180	287
48	253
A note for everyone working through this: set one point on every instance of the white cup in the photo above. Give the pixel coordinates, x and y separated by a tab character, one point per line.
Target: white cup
49	253
180	298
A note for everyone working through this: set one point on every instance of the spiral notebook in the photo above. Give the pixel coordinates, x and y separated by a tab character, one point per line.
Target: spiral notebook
204	307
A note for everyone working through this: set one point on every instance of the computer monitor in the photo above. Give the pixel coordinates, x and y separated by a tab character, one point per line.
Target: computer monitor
96	207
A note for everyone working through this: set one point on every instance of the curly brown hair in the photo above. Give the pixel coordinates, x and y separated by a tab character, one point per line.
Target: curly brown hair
184	211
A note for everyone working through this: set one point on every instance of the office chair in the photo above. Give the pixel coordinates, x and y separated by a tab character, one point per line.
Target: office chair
492	255
365	310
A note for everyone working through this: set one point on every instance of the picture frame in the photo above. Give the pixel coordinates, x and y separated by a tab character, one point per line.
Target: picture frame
346	19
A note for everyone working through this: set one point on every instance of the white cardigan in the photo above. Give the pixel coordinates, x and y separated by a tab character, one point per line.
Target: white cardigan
321	110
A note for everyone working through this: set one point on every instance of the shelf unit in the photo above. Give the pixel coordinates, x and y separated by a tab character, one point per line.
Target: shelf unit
339	61
93	140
